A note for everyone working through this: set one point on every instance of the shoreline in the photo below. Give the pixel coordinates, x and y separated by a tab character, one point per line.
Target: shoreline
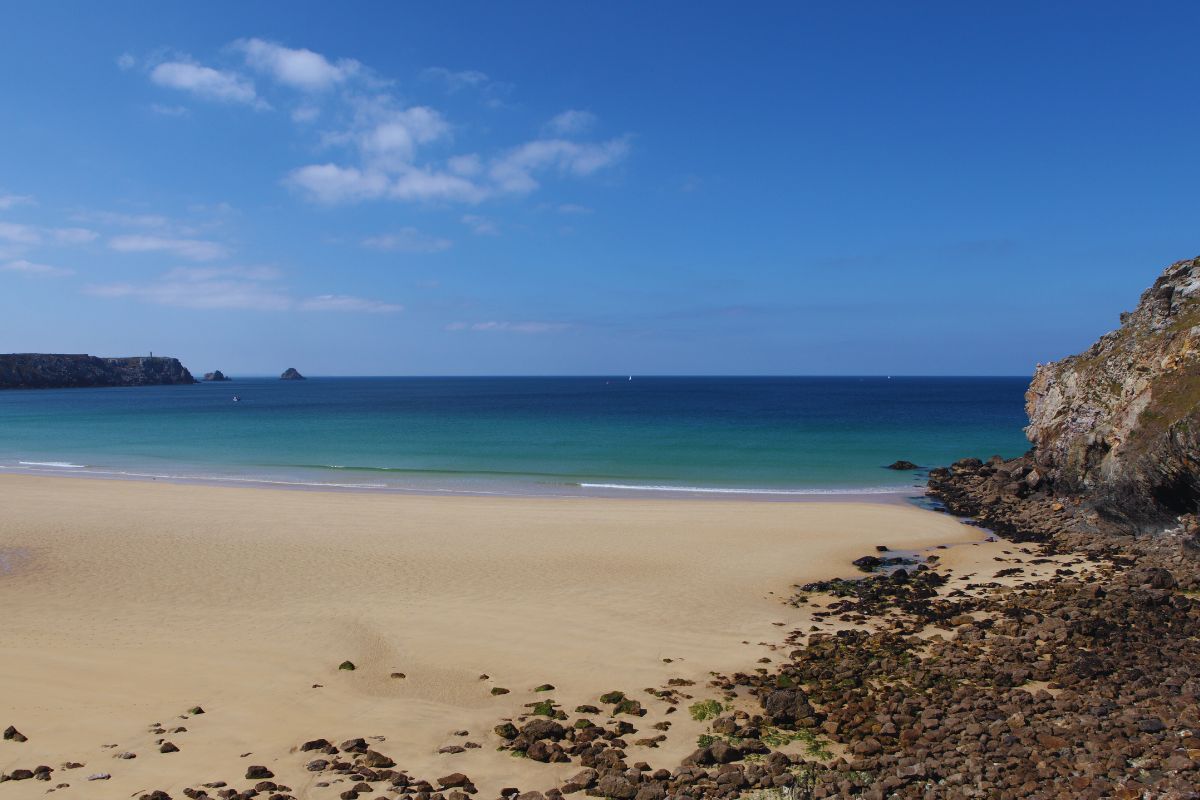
245	601
515	488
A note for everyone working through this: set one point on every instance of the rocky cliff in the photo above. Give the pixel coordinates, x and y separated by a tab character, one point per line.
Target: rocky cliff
1120	423
59	371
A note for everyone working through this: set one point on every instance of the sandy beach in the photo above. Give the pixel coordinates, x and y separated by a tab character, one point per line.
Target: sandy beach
128	603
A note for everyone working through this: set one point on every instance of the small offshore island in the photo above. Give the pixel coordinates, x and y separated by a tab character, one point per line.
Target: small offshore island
649	654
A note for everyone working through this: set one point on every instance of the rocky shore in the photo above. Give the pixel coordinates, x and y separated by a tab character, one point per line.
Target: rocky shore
59	371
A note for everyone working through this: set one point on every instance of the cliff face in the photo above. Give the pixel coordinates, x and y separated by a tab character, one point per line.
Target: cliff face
57	371
1120	423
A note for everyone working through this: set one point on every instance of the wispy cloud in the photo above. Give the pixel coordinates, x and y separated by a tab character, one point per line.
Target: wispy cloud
509	327
8	201
17	233
572	208
169	111
407	240
191	249
342	302
481	226
455	80
515	171
296	67
212	84
571	122
33	269
254	288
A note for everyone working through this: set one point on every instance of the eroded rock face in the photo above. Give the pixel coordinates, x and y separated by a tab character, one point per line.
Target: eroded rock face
1120	423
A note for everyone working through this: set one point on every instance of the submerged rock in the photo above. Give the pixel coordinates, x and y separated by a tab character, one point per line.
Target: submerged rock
902	465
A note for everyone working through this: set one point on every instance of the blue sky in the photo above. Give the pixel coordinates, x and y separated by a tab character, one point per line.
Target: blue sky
541	188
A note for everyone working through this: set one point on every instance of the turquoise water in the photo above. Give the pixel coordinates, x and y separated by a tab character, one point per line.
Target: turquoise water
774	437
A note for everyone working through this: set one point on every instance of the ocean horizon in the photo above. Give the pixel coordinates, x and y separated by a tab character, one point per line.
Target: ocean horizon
765	437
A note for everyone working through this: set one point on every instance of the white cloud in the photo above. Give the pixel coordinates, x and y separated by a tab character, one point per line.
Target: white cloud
455	80
8	201
123	220
407	240
342	302
387	138
514	171
191	249
480	226
200	294
19	234
259	273
252	288
73	235
423	184
299	68
510	327
570	122
169	111
329	183
126	62
206	82
30	268
303	114
572	208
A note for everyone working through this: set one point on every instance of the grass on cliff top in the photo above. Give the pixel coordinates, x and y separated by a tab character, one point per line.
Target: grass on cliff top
1175	396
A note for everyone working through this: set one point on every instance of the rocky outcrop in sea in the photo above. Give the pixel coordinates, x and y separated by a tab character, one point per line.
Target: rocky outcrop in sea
215	376
67	371
291	374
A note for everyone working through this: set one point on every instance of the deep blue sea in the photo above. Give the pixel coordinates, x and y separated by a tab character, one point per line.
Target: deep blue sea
771	437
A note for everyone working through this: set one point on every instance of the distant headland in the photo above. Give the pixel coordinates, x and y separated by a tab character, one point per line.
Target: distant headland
70	371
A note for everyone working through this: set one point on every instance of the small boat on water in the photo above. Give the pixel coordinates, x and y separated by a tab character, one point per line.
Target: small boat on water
237	399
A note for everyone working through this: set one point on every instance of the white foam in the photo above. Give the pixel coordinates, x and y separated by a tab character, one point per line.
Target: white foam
727	490
58	464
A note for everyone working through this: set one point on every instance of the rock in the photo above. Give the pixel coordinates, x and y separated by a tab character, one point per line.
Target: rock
543	729
11	734
902	465
453	780
314	744
506	730
786	706
195	710
99	776
215	376
398	675
290	374
56	371
498	690
1156	578
347	665
1121	421
1151	725
258	772
545	687
614	786
167	747
376	760
868	563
